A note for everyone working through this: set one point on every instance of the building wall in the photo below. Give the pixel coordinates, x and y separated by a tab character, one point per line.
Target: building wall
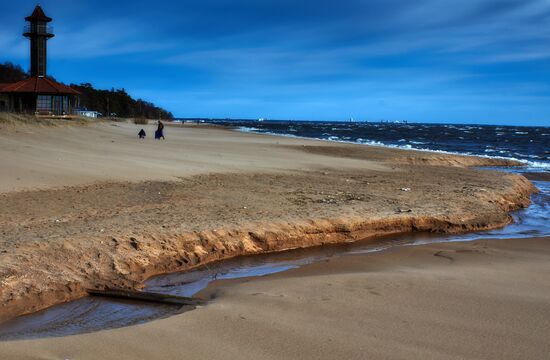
4	102
27	104
24	103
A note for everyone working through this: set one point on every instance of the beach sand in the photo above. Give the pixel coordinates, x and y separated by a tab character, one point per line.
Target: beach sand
473	300
42	157
91	206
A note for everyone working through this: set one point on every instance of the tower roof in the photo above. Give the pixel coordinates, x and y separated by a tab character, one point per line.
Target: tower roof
38	15
38	85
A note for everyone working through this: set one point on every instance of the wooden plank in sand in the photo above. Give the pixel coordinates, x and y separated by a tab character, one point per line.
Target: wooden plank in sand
146	296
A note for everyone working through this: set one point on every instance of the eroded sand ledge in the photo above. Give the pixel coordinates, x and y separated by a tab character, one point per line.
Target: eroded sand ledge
238	194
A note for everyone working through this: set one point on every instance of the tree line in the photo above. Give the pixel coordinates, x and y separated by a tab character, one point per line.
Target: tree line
115	102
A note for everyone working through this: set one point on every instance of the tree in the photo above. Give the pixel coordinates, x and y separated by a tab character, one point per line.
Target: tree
10	73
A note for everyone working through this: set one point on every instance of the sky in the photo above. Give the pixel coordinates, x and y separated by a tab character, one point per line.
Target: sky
468	61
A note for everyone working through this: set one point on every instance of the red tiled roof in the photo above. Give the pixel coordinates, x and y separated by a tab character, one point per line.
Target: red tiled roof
39	15
39	85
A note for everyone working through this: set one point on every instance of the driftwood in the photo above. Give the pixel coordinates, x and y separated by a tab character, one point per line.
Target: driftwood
146	296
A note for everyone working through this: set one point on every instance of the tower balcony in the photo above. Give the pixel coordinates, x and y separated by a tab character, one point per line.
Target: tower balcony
38	29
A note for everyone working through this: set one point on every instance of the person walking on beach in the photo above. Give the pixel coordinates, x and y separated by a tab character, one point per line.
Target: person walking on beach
160	131
142	134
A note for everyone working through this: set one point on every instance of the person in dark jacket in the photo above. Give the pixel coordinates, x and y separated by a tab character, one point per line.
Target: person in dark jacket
160	131
142	134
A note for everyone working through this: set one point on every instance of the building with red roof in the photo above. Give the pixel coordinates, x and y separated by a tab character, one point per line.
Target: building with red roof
39	94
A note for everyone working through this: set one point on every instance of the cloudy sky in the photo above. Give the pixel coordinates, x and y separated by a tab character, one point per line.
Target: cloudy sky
469	61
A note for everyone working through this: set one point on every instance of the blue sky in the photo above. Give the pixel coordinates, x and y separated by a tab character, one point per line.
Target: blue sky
469	61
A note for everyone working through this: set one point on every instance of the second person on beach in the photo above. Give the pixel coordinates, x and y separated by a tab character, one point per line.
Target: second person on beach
160	131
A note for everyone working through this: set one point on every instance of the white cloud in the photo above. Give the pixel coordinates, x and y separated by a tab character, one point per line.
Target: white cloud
104	38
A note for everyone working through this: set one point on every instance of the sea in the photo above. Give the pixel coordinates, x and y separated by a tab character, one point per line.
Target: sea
529	145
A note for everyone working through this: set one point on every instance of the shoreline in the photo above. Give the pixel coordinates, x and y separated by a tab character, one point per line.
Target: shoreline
97	247
484	298
493	160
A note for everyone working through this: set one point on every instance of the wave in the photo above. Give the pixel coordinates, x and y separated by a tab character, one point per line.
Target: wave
248	129
531	165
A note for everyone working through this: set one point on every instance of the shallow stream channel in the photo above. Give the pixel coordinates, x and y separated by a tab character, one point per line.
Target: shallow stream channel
91	314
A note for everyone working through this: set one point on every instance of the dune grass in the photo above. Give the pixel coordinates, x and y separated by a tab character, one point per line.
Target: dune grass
141	121
12	120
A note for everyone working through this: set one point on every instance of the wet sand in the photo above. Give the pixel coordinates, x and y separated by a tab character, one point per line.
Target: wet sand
474	300
537	176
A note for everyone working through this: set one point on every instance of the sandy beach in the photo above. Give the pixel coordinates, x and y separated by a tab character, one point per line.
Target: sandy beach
275	180
91	206
473	300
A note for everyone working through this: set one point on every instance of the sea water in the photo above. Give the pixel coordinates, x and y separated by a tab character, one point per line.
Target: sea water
529	145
